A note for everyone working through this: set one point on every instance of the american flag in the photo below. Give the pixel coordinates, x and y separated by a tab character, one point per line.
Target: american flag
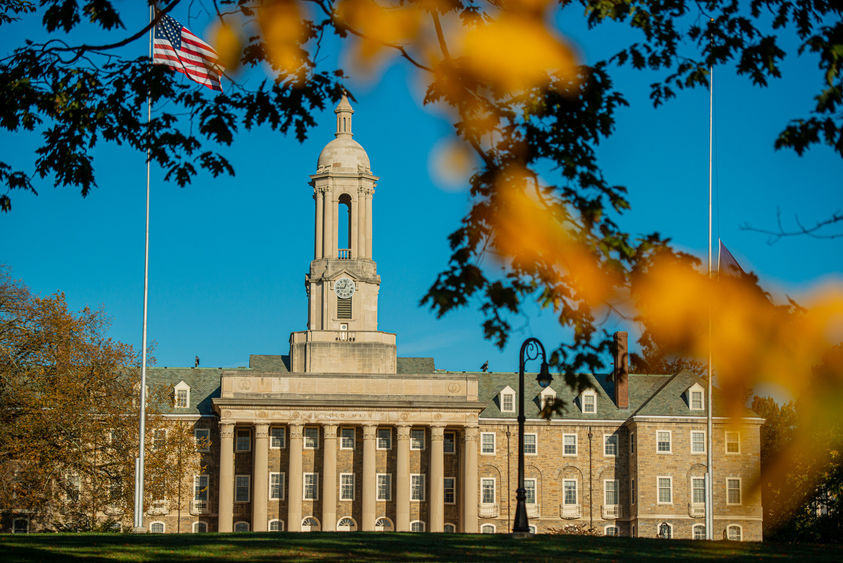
176	47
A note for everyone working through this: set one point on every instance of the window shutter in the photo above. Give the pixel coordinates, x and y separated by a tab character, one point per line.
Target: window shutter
343	308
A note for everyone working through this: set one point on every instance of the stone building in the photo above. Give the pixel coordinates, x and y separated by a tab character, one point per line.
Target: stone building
342	434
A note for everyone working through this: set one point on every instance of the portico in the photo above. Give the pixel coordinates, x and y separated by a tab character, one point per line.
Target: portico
380	465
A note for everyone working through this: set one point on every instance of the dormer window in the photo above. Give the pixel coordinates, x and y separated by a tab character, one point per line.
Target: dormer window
547	395
181	395
696	397
507	399
588	402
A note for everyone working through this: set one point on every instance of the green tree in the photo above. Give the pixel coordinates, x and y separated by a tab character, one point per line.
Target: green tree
69	414
803	495
516	105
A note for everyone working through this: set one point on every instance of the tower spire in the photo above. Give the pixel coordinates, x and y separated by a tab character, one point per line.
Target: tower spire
344	112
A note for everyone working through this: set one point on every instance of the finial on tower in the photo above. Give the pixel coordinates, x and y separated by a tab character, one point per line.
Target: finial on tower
344	112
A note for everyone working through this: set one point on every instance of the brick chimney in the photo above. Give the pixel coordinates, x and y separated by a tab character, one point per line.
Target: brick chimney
621	373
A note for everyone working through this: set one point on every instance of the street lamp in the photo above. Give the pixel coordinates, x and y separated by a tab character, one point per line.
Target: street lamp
530	350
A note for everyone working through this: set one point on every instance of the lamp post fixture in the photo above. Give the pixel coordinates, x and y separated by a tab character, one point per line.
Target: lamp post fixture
530	350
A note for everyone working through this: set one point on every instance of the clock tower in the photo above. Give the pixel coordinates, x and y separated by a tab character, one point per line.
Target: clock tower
342	285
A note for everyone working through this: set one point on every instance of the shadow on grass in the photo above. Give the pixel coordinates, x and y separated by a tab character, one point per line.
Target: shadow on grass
379	547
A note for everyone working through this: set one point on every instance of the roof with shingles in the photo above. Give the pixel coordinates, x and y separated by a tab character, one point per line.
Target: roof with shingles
415	365
204	385
649	394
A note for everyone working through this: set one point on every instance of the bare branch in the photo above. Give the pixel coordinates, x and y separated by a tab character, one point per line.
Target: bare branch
342	25
81	49
812	231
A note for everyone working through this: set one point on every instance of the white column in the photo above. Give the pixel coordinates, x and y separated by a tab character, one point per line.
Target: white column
294	478
328	214
370	480
225	510
329	478
361	224
470	496
437	479
369	223
353	217
319	196
402	480
260	467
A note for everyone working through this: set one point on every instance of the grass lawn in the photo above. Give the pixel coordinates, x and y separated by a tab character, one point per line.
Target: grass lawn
379	547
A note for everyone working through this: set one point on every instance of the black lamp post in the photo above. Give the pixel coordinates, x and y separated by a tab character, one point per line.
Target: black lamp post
530	350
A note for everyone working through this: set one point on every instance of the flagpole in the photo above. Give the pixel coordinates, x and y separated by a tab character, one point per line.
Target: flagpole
709	498
139	461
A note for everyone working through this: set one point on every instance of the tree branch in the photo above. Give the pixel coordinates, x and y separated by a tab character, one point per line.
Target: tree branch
342	25
802	230
81	49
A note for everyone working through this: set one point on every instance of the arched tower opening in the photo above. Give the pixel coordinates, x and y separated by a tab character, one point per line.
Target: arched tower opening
344	227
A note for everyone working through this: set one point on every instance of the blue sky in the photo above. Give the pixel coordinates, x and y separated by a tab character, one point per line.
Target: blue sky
228	255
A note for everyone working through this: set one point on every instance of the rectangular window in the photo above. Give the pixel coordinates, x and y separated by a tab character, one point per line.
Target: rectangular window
311	486
202	439
569	444
241	488
417	439
346	486
663	441
733	491
589	403
159	438
450	490
487	491
507	402
277	437
243	440
569	494
665	490
632	490
530	488
449	444
632	442
311	437
385	486
610	490
697	442
200	487
384	439
696	400
530	444
416	486
698	490
74	487
276	486
487	442
610	445
115	489
733	442
347	438
181	399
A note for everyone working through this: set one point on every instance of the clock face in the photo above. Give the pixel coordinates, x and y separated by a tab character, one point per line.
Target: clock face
344	288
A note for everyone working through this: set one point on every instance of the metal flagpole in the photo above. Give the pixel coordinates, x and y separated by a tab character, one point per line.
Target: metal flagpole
709	504
139	461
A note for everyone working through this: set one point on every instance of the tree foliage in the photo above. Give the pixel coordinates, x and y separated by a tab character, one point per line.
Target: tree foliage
69	415
802	496
519	101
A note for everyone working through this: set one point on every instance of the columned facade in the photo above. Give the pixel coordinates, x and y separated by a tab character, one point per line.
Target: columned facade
386	501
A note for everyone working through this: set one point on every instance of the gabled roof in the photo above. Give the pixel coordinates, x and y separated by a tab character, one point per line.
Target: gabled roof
649	395
204	385
492	383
